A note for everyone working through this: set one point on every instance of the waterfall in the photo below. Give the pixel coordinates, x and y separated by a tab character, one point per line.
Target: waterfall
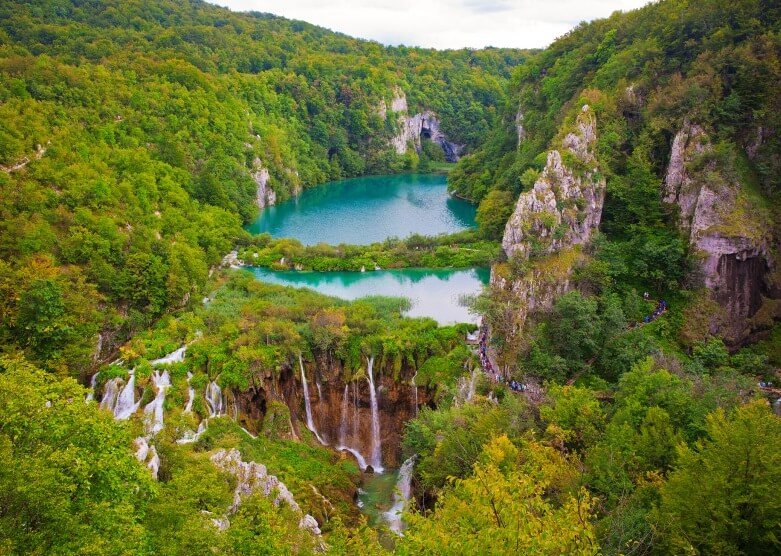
190	436
344	425
415	392
92	383
214	399
307	405
361	460
144	451
110	394
126	401
154	462
376	451
319	390
466	387
345	411
176	356
355	410
155	408
401	496
191	393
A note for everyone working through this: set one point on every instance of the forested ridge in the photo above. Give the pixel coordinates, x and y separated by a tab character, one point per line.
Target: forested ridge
621	396
144	121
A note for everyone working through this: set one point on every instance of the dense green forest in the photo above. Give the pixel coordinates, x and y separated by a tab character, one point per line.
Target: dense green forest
144	121
632	327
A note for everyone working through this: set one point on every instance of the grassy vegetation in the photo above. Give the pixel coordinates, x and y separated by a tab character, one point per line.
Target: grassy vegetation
462	250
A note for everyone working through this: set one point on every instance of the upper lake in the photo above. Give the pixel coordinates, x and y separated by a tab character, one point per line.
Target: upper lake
366	210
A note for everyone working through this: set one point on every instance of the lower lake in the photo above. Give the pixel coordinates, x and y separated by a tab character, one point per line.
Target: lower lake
435	293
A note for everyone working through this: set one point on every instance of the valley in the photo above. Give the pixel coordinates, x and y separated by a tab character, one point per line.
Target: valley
269	289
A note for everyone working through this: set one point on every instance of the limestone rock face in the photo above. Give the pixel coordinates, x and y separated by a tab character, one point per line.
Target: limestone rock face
252	477
519	129
266	196
414	127
565	205
729	232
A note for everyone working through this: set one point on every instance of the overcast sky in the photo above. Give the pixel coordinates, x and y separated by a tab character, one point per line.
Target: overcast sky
443	23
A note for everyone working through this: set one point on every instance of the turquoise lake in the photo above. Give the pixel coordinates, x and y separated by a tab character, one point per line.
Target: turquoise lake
365	210
434	293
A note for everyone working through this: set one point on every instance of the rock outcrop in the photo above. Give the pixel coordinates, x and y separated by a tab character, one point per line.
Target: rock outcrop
519	129
413	128
253	477
727	227
266	196
564	206
550	223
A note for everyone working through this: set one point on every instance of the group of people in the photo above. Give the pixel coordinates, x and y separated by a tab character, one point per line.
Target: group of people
482	353
661	307
488	368
516	386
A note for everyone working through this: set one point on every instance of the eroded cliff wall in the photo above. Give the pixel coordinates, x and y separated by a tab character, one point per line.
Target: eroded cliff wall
730	229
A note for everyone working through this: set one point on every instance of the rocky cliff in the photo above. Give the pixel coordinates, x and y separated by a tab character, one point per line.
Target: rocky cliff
730	229
265	195
564	206
413	128
549	225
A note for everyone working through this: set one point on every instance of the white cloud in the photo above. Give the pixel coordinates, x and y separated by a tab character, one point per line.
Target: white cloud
443	23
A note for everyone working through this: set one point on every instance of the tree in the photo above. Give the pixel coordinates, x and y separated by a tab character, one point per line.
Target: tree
69	482
493	212
735	508
503	507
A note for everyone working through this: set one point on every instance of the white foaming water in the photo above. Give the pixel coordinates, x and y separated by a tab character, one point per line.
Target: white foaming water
155	407
110	394
126	401
376	450
415	391
307	405
191	393
189	437
214	399
92	383
401	496
345	413
154	462
359	458
176	356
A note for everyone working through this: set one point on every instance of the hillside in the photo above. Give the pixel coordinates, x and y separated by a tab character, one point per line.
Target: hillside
665	124
620	395
136	138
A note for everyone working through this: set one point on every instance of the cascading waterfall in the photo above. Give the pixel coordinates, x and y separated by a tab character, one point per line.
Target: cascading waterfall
110	394
126	401
190	436
358	457
307	405
214	399
176	356
401	496
191	393
345	412
376	451
344	425
162	382
355	410
92	383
